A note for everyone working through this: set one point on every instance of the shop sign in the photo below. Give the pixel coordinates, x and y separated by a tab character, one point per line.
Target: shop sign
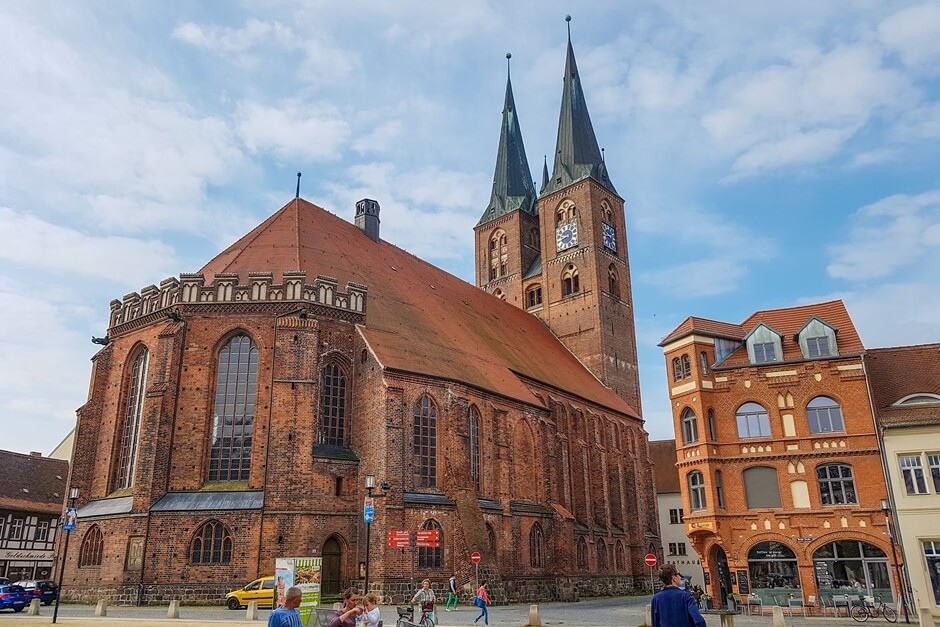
19	554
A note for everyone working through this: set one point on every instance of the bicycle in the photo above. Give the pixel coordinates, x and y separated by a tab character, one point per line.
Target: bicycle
406	616
871	609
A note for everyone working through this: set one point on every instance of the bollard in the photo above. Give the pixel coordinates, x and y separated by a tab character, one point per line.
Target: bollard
534	616
778	616
649	615
174	609
102	608
252	612
33	608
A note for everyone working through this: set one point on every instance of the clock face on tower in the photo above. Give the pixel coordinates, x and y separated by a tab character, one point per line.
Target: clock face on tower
566	236
610	237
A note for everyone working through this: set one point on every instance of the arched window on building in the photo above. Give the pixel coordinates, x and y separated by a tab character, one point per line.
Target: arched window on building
753	421
234	411
92	548
491	537
570	283
534	239
473	445
619	558
212	544
536	548
429	557
773	570
689	427
686	367
719	490
499	255
533	296
824	415
133	412
425	443
333	399
581	551
703	362
676	369
613	285
836	484
712	431
697	501
853	565
601	547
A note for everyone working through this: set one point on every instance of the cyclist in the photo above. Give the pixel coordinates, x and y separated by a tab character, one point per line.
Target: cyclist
425	598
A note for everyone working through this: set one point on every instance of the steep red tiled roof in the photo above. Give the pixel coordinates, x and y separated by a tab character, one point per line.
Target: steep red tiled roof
894	373
419	318
665	473
32	483
711	328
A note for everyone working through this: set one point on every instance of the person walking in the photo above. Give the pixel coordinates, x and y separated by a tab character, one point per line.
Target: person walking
451	593
287	615
481	601
673	607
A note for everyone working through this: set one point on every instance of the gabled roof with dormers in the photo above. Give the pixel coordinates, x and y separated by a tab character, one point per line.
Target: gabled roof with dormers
419	318
902	373
786	323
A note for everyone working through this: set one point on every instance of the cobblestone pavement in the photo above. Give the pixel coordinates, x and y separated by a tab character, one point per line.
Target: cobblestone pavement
608	612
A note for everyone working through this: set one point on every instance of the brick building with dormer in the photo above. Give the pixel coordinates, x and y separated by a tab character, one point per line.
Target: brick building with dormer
235	412
778	456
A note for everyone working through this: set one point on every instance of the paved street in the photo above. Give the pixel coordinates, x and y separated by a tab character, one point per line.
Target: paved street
609	612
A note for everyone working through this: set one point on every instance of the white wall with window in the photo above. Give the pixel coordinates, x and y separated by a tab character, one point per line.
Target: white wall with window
677	548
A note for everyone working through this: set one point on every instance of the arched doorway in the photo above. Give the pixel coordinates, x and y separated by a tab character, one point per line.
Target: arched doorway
851	567
774	572
721	587
331	576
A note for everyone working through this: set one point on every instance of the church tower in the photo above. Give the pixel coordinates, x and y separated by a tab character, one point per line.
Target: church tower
576	275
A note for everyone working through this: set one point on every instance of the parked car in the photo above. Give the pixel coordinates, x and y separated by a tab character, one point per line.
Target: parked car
4	581
260	590
13	596
43	589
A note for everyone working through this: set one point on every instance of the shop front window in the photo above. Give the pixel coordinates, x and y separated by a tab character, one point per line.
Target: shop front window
774	572
850	567
932	554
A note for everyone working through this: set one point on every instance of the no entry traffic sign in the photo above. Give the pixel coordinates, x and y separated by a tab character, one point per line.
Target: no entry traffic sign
650	559
475	557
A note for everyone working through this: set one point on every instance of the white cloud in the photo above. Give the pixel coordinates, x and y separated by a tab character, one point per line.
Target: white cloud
893	234
36	244
293	129
699	278
914	33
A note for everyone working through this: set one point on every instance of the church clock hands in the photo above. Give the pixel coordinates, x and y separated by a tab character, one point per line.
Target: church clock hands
610	237
566	236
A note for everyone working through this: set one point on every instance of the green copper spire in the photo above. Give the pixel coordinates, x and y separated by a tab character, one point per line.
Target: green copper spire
576	153
513	188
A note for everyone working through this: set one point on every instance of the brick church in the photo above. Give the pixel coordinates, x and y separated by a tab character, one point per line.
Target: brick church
235	412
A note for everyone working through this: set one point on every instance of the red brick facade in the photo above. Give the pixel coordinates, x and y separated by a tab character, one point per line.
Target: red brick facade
811	513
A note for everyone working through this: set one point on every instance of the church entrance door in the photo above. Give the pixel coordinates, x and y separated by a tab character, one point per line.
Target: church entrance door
332	575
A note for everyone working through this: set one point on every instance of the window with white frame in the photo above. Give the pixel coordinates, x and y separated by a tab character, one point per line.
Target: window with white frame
42	531
912	471
817	347
676	517
697	491
16	529
764	352
933	462
932	557
824	415
689	427
753	421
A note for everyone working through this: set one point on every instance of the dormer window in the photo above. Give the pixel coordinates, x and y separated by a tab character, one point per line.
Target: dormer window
817	340
764	345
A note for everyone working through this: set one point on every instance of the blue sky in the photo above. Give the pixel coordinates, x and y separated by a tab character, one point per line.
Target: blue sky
769	155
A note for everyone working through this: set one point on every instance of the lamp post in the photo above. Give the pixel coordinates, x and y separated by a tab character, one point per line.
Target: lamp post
70	517
368	516
902	593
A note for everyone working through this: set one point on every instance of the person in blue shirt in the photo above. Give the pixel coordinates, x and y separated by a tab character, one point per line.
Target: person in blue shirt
673	607
287	615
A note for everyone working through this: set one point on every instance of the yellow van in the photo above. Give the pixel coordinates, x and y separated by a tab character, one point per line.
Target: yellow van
260	590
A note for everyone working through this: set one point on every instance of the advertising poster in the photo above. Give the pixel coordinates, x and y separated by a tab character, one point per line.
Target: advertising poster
303	572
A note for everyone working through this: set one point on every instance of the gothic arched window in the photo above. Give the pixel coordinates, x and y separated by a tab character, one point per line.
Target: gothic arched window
333	397
581	550
473	445
498	255
130	432
425	443
536	548
92	548
212	544
601	555
570	284
233	426
430	557
613	286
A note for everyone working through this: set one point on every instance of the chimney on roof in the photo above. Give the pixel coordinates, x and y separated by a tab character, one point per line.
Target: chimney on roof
35	454
367	218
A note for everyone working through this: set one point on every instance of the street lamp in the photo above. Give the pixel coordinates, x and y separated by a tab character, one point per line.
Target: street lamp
902	593
368	516
70	517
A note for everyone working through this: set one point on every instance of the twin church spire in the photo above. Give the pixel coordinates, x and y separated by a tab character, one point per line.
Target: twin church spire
577	155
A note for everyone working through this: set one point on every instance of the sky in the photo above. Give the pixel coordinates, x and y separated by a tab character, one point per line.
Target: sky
770	154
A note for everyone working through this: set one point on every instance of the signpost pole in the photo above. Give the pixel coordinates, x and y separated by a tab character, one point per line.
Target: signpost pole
652	586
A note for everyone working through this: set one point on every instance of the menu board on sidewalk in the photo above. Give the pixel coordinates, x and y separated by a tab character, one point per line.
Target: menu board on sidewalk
743	586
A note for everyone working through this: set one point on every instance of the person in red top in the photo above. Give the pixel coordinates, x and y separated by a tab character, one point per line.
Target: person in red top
481	601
